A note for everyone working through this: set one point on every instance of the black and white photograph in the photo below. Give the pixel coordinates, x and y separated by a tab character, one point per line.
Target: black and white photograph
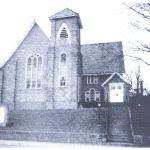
74	74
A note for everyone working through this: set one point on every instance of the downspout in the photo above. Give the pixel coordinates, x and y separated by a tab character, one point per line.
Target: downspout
15	86
2	88
54	66
77	80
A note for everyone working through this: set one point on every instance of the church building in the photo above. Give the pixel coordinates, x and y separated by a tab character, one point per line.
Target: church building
61	73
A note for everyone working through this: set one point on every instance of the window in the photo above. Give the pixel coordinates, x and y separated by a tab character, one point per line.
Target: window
97	96
62	81
87	96
92	95
119	87
34	72
92	79
63	58
112	87
63	70
63	33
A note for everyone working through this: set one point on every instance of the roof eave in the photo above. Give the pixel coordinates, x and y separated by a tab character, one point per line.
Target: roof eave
79	20
115	73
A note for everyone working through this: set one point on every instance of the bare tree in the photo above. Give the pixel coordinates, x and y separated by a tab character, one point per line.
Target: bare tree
136	80
142	23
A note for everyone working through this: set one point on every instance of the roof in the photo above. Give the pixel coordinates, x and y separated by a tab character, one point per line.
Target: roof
66	13
102	58
113	75
6	59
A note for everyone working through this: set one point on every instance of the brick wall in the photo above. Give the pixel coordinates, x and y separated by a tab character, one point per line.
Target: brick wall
97	87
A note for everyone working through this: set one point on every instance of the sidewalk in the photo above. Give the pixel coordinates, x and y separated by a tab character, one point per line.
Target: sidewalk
32	144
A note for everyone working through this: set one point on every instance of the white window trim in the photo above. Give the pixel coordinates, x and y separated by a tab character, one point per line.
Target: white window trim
94	95
64	25
85	95
116	84
37	56
89	79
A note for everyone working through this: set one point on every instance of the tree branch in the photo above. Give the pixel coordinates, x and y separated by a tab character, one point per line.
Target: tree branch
138	58
141	14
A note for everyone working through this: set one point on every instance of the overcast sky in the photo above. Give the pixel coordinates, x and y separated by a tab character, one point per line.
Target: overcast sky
103	21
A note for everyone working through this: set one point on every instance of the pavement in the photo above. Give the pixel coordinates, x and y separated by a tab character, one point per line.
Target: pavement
45	145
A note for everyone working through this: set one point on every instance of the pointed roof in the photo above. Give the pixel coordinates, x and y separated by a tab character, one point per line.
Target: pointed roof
34	23
114	74
66	13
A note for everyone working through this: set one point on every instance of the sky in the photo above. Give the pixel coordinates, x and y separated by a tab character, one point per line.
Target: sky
102	20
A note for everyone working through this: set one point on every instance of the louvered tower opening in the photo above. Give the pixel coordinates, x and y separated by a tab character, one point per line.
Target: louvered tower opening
63	33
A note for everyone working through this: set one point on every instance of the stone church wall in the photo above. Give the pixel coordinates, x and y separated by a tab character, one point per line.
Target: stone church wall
15	92
67	97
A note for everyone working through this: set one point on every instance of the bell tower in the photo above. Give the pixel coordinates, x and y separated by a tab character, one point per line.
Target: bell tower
65	34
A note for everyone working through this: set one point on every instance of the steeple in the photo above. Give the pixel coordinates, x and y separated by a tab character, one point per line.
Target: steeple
65	36
65	27
66	13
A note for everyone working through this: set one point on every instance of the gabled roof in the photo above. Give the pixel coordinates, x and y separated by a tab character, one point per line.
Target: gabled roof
112	76
102	58
66	13
20	42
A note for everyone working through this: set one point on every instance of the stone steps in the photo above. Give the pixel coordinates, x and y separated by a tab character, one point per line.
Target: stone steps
119	123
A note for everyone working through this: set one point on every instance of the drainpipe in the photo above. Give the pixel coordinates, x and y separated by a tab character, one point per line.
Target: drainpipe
54	67
15	86
2	88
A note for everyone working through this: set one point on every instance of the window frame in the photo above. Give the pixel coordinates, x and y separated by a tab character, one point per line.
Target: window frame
63	64
96	92
37	56
89	79
64	25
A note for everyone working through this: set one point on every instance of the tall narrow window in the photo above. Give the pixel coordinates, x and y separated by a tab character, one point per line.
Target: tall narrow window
92	95
97	96
39	73
63	58
63	70
28	75
87	96
34	72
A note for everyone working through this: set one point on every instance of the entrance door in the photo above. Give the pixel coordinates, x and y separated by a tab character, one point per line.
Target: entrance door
116	92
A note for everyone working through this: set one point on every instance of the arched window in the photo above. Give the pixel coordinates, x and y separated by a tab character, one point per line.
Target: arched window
63	58
39	73
92	95
28	75
34	72
63	69
63	32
